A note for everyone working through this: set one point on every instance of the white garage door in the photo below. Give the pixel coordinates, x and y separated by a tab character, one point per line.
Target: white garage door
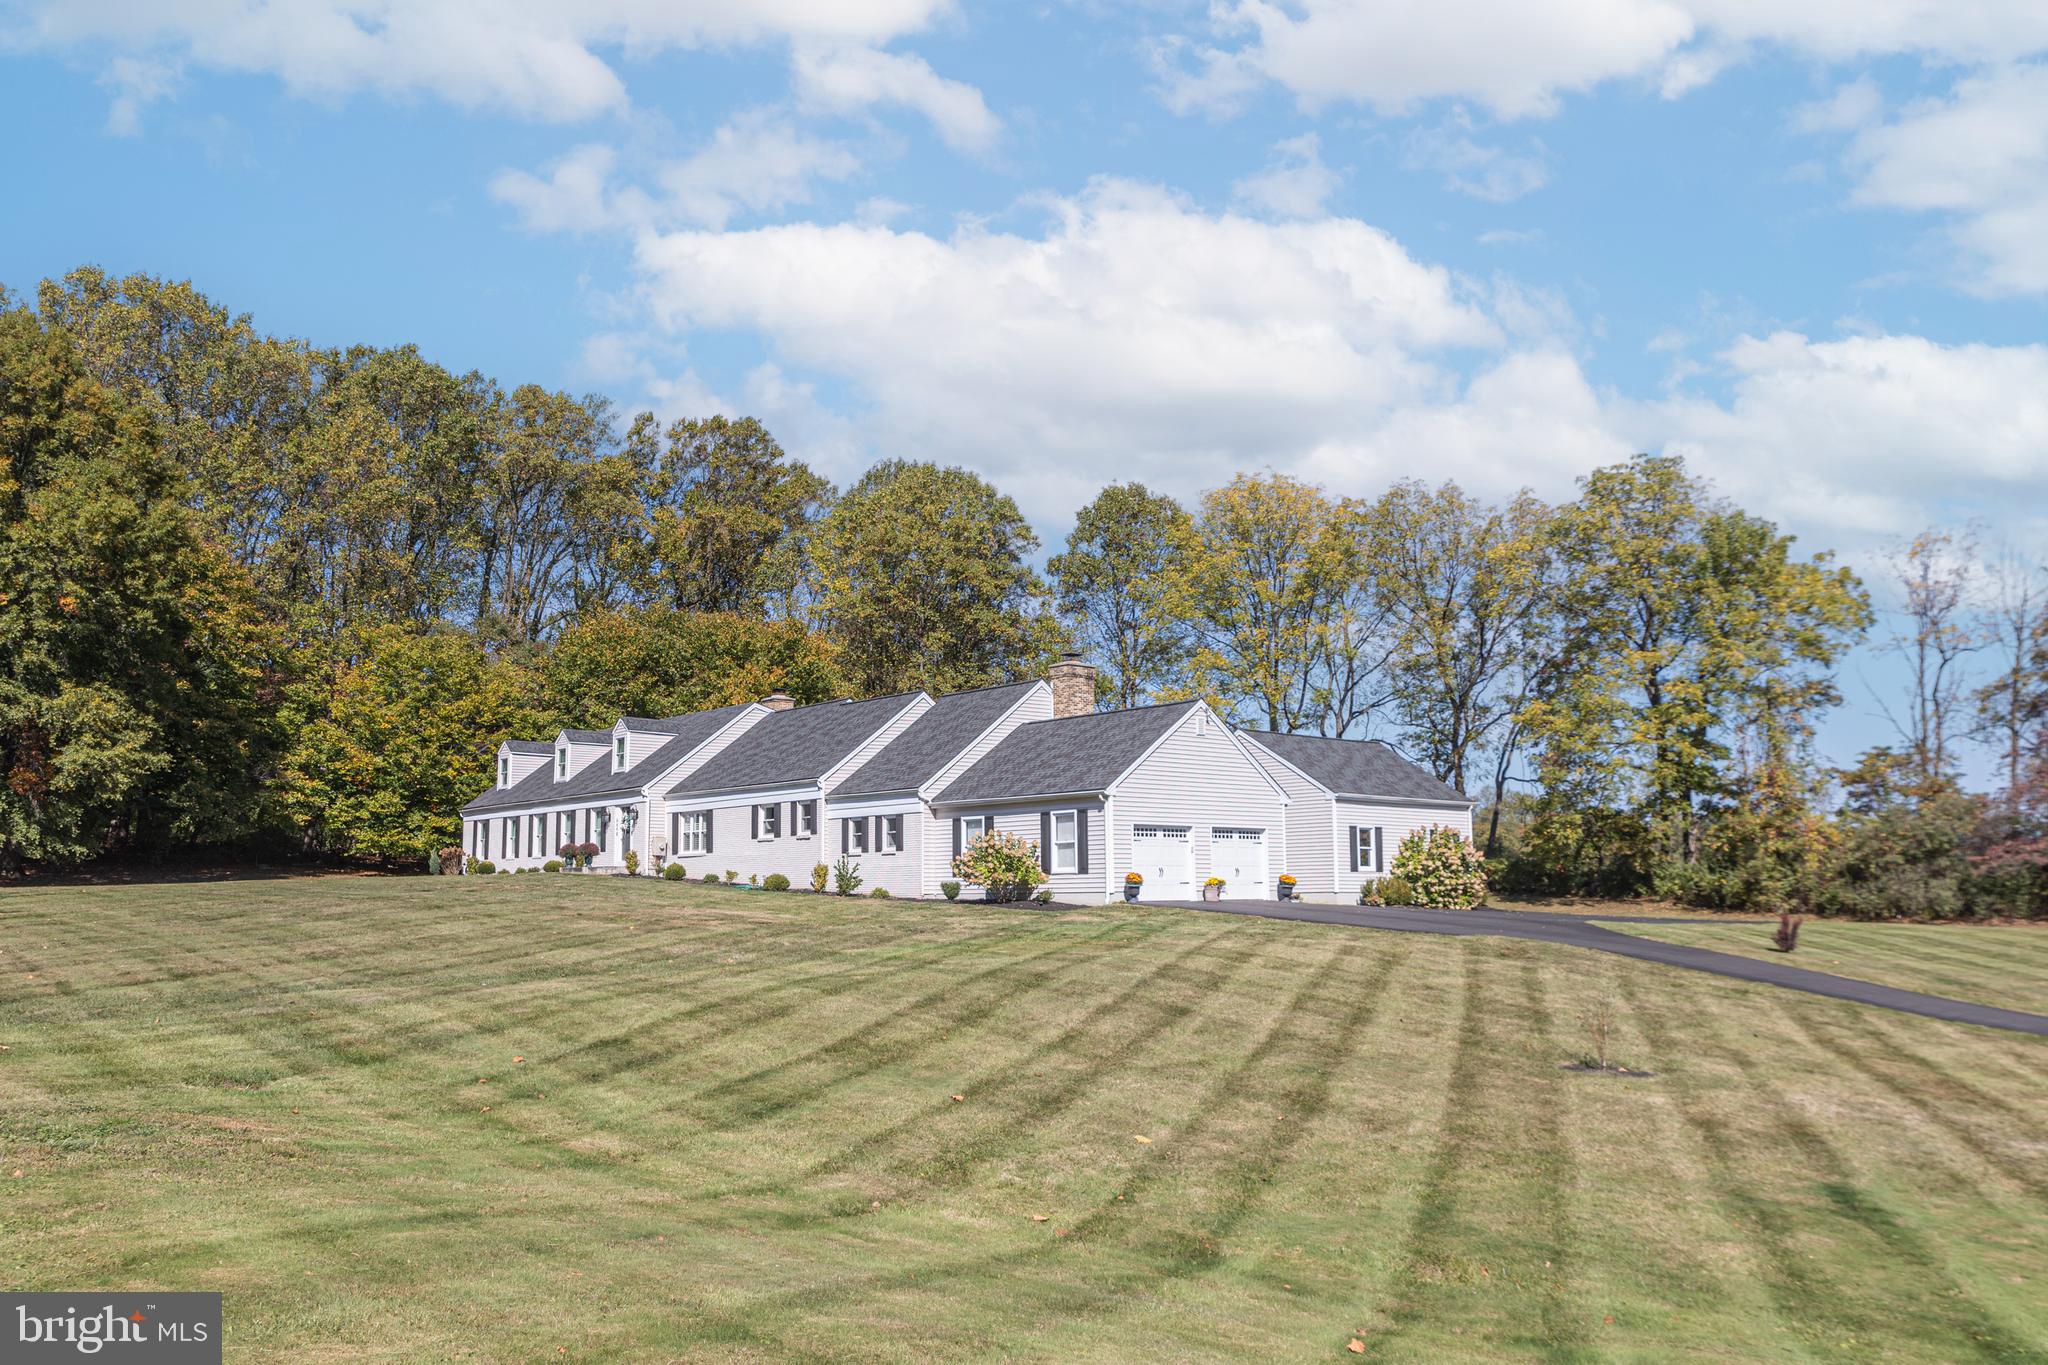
1239	857
1161	855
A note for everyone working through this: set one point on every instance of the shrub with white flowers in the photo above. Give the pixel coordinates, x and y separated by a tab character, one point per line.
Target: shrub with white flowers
1004	863
1443	868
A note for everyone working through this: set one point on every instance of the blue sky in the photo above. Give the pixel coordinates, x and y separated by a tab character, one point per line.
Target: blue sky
1500	241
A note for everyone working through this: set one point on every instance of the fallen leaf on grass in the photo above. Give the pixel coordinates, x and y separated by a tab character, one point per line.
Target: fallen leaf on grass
1040	1218
1355	1346
958	1098
1140	1137
517	1060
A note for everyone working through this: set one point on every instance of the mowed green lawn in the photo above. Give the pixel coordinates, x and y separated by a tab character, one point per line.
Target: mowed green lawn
1993	964
734	1135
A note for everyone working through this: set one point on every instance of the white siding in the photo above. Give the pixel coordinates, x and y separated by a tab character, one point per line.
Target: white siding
1311	851
938	848
524	764
1395	821
734	848
1080	888
581	755
900	873
641	744
1200	780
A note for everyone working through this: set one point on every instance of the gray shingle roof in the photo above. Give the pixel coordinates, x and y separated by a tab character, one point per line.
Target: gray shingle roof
1355	767
795	747
596	777
1071	754
589	736
933	740
529	746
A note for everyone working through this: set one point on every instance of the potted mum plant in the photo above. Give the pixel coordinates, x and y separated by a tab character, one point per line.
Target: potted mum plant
1132	881
1286	886
1212	890
585	852
567	853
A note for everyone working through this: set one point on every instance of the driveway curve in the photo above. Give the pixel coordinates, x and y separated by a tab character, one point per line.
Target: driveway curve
1575	931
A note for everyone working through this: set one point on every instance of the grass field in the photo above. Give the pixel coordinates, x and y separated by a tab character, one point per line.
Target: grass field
578	1118
1993	964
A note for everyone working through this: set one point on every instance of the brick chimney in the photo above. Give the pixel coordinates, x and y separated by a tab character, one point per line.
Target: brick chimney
1073	686
778	701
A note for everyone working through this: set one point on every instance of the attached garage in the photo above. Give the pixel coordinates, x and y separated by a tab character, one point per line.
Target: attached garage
1239	857
1164	856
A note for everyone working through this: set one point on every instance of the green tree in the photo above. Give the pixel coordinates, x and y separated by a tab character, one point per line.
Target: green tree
1269	557
228	402
924	580
1699	622
1114	585
731	517
135	675
410	735
1467	586
659	662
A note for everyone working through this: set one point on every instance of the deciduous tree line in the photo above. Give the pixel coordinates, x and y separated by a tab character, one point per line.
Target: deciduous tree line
256	591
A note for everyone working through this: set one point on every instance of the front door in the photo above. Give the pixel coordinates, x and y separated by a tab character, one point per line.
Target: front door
1239	857
1162	855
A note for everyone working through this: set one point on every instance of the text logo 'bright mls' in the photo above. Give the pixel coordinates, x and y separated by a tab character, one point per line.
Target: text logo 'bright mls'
167	1329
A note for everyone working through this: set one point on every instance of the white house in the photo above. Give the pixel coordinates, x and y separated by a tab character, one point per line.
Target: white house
898	785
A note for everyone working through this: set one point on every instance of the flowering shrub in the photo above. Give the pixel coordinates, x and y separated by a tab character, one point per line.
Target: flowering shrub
585	852
448	861
1004	863
1442	869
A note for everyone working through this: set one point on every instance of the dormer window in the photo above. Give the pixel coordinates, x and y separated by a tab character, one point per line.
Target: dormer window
561	765
504	771
618	752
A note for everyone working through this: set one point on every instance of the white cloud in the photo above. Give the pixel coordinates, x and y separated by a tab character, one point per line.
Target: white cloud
1517	57
1136	333
1471	167
1866	435
535	58
1850	107
575	195
137	83
1980	155
755	162
846	80
1295	182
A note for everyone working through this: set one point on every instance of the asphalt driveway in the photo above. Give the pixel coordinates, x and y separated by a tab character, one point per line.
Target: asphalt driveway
1577	931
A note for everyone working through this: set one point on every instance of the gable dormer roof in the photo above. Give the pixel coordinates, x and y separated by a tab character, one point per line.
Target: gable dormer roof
1066	756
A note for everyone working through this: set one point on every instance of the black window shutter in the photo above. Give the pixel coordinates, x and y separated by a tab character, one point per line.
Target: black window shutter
1354	848
710	819
874	834
845	837
794	824
1045	840
1379	849
1081	841
959	842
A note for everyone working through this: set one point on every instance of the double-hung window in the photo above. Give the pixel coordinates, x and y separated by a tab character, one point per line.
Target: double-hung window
618	752
1066	841
892	834
972	827
692	831
803	818
504	771
561	764
602	817
857	835
768	821
1364	833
